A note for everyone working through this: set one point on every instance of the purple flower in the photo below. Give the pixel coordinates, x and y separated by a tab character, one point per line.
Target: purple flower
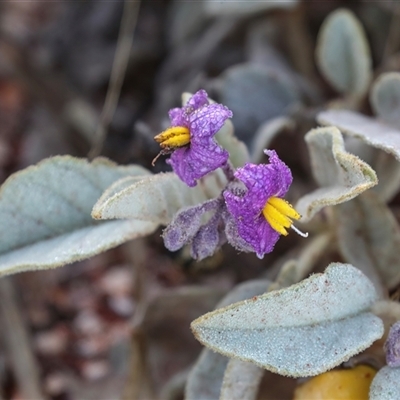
187	228
190	139
392	346
260	213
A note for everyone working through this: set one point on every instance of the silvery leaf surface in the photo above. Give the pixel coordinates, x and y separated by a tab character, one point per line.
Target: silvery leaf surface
255	94
385	98
303	330
205	379
388	170
343	53
238	152
226	7
369	238
121	184
341	175
376	134
156	198
295	270
241	381
45	211
385	385
370	130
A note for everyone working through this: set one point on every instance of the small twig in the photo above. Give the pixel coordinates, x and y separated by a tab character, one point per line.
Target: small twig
120	64
16	340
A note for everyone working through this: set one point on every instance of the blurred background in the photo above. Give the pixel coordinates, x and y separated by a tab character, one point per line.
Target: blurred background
90	78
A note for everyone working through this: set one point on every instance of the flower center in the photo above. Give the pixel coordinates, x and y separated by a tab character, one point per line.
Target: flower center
176	136
279	214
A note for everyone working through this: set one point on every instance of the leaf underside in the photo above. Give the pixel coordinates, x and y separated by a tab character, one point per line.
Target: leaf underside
303	330
46	211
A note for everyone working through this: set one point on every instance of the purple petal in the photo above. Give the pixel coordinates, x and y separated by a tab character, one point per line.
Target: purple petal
207	121
198	100
259	234
182	228
251	224
203	154
180	116
232	234
194	162
177	117
207	240
262	182
392	346
265	180
284	175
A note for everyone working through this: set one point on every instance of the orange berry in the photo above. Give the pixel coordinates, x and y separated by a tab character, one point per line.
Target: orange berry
345	384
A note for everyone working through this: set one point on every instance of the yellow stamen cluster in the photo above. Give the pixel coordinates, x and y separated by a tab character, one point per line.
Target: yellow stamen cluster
177	136
279	214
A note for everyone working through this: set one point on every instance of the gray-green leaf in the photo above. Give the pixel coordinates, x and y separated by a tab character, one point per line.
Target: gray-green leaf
238	152
385	385
341	175
156	198
256	94
375	134
370	130
369	238
385	97
343	54
205	379
303	330
45	214
241	381
227	7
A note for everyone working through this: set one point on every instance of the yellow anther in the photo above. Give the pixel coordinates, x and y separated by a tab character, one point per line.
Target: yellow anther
279	214
276	225
176	136
284	207
276	219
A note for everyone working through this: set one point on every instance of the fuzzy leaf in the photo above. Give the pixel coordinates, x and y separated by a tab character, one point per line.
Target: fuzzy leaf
370	130
238	152
341	175
295	270
45	212
268	93
205	379
303	330
388	170
241	381
343	54
156	198
369	238
375	134
385	385
385	97
226	7
120	185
